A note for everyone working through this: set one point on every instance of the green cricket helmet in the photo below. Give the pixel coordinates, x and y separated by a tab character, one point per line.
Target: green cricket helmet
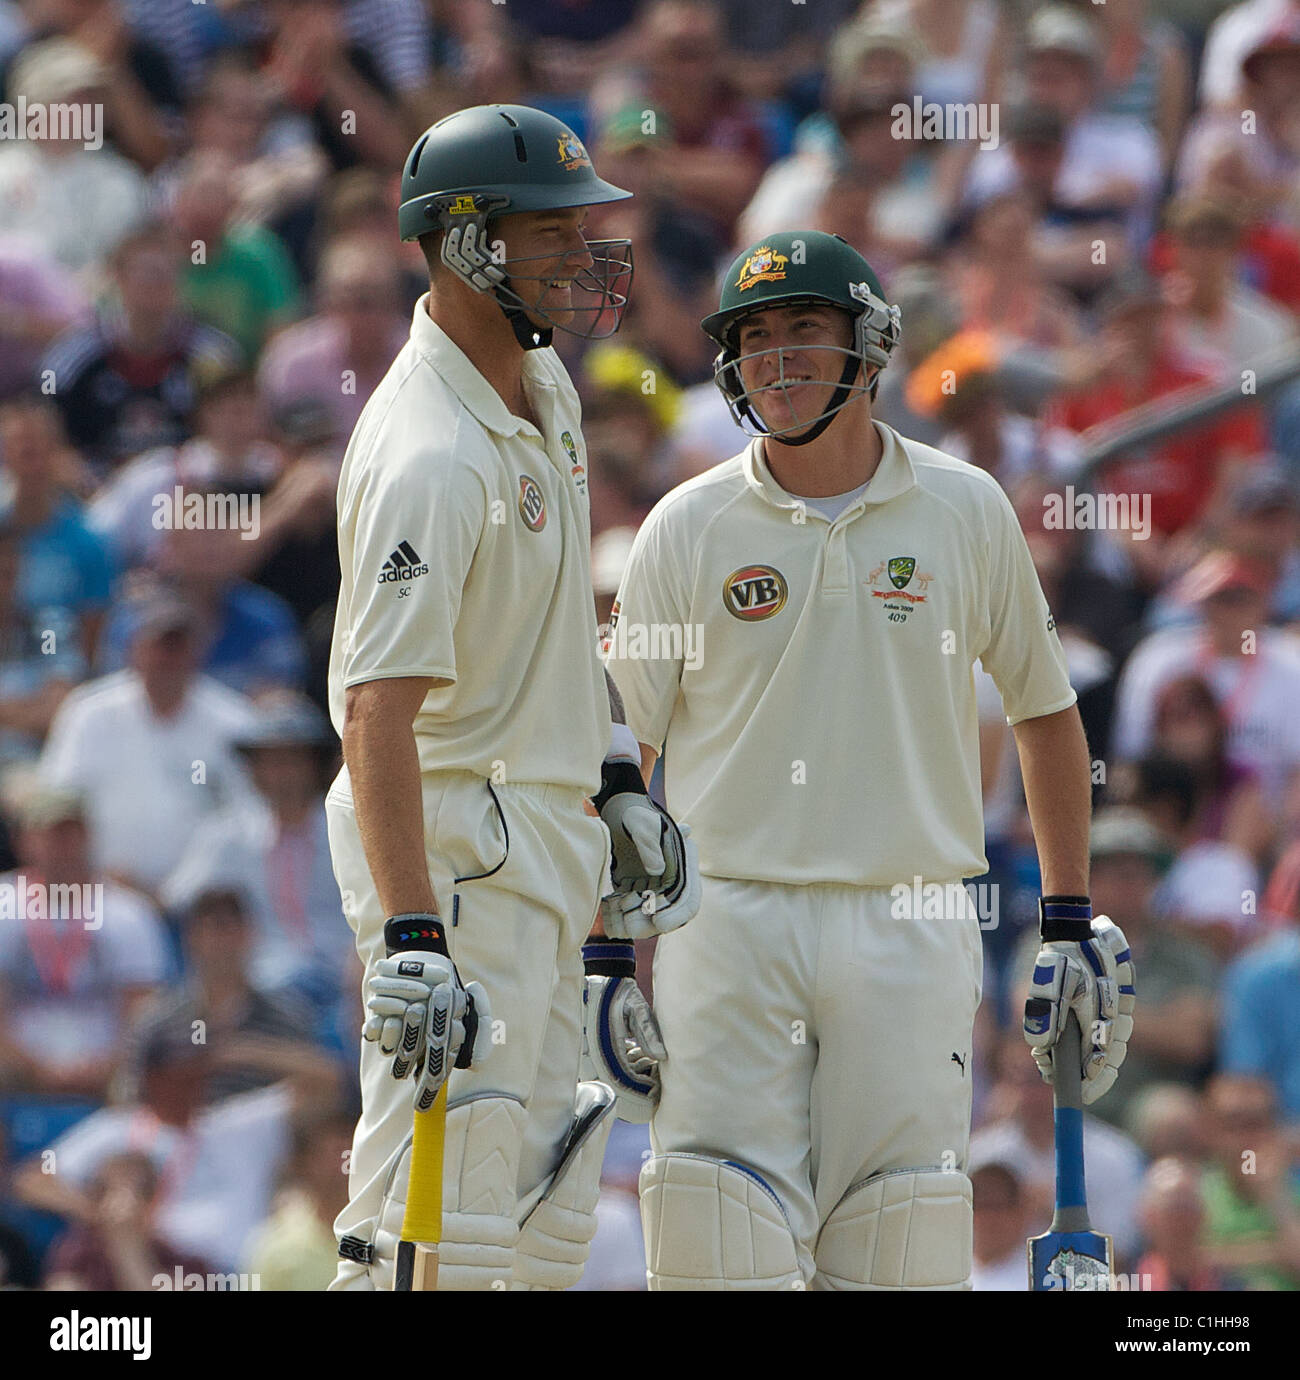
796	268
496	160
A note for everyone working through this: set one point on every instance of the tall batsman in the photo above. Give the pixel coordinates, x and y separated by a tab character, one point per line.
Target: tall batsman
465	681
839	581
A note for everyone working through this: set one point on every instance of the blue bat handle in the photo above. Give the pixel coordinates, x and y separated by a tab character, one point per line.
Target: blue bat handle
1071	1212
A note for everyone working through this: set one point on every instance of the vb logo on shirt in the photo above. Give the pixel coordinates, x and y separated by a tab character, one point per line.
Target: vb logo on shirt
754	592
532	506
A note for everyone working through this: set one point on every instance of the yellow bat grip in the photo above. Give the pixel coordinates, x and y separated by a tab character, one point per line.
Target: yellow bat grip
422	1220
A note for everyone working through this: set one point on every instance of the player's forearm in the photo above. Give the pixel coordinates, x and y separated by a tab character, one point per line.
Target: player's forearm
384	768
1055	766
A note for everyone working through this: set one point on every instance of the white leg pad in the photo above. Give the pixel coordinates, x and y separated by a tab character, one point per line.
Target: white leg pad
712	1224
479	1230
555	1234
902	1229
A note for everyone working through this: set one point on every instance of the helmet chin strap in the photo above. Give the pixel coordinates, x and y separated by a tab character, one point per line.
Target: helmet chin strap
530	337
838	399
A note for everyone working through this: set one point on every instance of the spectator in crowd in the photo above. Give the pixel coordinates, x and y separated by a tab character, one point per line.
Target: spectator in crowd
125	384
228	453
1110	165
1002	1225
1251	1196
65	575
277	855
37	666
248	638
1253	670
39	300
295	1248
1180	480
240	278
1233	35
1168	1119
150	748
338	356
117	1248
217	1164
65	165
1217	322
1260	1035
711	147
79	957
1018	1132
1171	1214
256	1037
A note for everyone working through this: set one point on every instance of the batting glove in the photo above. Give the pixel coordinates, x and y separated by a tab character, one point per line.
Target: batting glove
1084	966
621	1043
420	1013
654	865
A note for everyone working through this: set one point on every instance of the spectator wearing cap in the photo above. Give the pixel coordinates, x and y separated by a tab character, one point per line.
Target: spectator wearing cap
1110	165
1002	1225
711	148
1171	1214
1018	1132
150	748
245	283
248	638
217	1163
42	178
36	671
339	355
1261	1018
65	575
1184	476
126	383
79	957
1216	321
1173	1040
276	853
1231	38
1249	1188
1254	671
1264	144
118	1248
255	1037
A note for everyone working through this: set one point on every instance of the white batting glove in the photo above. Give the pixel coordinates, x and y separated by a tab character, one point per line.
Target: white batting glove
1091	975
654	864
418	1010
621	1043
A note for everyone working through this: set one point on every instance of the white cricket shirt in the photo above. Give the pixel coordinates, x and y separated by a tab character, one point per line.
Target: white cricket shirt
464	542
818	712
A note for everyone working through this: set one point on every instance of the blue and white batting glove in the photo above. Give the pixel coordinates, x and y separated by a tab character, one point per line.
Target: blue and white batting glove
1084	966
621	1043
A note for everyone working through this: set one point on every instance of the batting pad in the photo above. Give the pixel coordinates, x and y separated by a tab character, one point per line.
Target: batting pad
901	1229
713	1224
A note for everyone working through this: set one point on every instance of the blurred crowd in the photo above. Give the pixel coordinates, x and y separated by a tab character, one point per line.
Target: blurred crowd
194	310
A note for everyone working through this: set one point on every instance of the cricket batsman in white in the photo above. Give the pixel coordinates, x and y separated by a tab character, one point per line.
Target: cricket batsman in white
811	1115
466	684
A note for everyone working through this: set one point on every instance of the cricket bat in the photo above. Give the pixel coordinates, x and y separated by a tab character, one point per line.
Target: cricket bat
1070	1255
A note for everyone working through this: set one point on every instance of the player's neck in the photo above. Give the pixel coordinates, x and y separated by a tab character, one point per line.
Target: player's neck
479	329
841	459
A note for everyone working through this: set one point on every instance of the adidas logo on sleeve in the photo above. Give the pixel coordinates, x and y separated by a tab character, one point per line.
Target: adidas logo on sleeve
403	564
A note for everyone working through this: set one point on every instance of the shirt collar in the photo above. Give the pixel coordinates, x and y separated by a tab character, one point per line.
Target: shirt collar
452	365
894	475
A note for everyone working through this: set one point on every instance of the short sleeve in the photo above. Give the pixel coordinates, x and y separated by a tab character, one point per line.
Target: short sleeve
1248	1008
414	534
1023	654
653	591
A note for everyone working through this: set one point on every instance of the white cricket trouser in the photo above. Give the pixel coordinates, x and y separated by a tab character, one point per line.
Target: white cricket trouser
811	1036
519	932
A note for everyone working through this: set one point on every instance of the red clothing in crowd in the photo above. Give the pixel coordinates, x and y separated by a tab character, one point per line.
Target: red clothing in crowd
1179	473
